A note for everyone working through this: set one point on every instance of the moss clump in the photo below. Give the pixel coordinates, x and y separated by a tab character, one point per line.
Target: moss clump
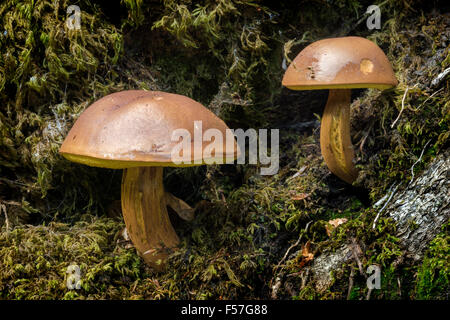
48	75
432	280
35	261
410	122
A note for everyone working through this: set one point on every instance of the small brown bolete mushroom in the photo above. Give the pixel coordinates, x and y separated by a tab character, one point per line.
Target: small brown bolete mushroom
339	64
132	130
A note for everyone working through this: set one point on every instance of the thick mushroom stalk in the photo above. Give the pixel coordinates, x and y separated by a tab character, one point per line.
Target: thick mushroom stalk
144	210
335	141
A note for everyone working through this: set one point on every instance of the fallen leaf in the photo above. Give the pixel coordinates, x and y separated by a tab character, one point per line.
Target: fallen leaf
307	255
306	251
333	224
300	196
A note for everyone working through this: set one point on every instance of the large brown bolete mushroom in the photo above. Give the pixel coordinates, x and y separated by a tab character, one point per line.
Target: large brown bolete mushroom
339	64
132	130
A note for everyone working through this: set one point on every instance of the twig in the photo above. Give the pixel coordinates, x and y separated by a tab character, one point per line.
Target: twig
403	105
350	283
385	204
418	160
288	250
3	208
295	274
277	284
382	200
353	247
441	76
428	99
364	138
12	203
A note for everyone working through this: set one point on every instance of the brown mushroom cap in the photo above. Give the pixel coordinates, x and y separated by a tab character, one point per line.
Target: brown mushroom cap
134	128
340	63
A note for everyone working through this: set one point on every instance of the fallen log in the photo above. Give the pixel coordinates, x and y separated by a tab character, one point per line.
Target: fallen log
420	210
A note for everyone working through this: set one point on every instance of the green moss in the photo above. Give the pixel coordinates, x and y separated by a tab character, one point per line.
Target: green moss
35	260
49	74
423	123
432	280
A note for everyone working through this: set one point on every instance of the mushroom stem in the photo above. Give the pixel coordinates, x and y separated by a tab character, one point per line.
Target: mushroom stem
145	214
335	141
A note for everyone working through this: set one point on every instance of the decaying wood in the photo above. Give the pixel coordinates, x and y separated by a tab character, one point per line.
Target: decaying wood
420	210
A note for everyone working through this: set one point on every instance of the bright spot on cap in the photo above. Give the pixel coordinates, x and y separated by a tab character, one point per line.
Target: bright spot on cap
340	63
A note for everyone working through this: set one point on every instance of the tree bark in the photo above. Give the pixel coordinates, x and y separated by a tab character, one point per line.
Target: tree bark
420	210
